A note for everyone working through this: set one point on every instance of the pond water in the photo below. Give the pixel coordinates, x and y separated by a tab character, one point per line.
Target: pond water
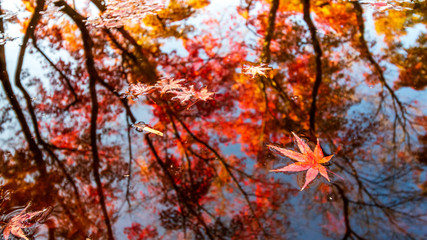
139	119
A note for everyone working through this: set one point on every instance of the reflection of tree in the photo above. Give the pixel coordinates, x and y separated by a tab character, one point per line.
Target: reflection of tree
77	154
318	53
399	109
18	110
414	72
228	169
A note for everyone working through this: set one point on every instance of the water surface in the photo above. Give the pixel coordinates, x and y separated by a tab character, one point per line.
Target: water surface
141	120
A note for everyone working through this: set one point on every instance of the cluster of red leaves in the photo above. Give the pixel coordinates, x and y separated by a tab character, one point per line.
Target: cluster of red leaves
170	85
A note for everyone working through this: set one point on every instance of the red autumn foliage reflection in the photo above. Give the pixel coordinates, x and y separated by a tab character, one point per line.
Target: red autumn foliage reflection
237	82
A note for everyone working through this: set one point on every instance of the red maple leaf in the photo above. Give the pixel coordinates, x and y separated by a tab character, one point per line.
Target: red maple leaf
306	160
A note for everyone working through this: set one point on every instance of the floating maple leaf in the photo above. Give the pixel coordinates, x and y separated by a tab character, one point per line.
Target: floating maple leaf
169	84
24	220
203	95
185	94
141	126
140	89
254	70
174	86
306	160
135	90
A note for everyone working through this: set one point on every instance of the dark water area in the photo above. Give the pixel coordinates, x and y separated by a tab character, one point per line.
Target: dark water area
164	120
